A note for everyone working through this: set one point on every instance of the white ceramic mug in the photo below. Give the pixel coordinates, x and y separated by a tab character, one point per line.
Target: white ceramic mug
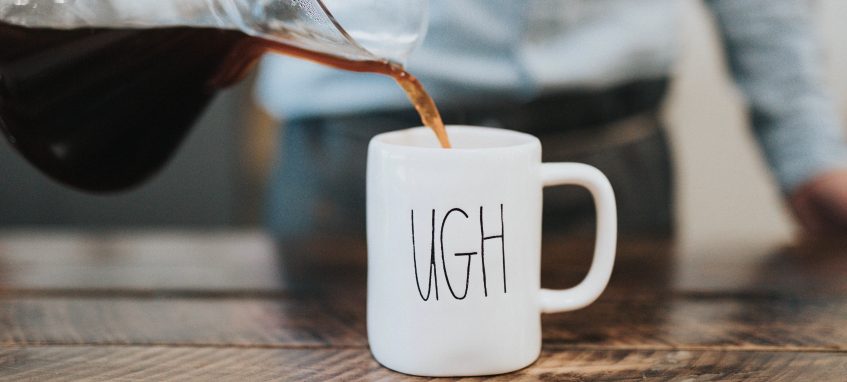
454	247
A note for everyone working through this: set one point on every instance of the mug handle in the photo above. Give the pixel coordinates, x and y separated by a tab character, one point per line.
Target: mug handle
555	174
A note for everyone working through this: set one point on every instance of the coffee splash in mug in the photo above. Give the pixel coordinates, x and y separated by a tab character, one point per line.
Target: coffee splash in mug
103	109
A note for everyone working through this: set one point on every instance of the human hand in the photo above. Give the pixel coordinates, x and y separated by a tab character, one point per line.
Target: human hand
820	204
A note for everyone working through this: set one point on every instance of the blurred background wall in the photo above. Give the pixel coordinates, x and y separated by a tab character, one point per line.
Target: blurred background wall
725	192
217	179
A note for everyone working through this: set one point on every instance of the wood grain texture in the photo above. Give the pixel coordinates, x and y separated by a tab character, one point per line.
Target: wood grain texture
705	322
180	321
674	323
209	306
230	261
239	263
814	268
60	363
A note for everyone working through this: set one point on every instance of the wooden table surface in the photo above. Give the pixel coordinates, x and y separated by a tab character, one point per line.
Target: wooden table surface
219	306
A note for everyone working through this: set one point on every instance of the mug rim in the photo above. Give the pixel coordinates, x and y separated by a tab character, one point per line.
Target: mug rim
513	139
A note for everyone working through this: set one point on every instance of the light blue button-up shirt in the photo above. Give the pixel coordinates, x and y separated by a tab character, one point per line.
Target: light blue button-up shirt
479	52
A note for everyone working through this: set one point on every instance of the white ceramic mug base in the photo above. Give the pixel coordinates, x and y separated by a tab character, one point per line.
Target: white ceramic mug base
454	250
464	368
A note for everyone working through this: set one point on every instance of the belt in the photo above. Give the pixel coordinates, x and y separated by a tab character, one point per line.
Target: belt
571	110
552	113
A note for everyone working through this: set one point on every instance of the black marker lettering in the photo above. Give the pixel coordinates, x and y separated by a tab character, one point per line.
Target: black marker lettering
502	246
444	262
433	271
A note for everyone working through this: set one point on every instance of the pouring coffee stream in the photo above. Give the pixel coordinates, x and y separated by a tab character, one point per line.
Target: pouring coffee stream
415	91
103	109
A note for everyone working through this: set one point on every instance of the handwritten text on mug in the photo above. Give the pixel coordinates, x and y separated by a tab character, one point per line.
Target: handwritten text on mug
457	213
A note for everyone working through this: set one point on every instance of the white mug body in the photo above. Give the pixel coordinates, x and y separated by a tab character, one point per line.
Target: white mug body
458	295
454	249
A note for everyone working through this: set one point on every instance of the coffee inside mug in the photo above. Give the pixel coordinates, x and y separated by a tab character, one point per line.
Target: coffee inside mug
462	137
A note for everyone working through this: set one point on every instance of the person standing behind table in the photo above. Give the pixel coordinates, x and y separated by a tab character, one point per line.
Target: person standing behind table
587	77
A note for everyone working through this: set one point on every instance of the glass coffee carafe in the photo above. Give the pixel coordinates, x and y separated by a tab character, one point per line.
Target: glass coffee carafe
99	94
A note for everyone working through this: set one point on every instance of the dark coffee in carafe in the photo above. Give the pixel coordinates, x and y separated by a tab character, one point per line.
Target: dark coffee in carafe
104	109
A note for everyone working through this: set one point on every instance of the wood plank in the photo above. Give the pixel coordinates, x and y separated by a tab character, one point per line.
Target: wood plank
179	321
58	363
657	265
200	261
695	323
231	262
248	262
811	268
643	265
339	320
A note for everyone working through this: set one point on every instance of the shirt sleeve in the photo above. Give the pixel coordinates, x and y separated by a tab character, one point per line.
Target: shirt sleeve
772	52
